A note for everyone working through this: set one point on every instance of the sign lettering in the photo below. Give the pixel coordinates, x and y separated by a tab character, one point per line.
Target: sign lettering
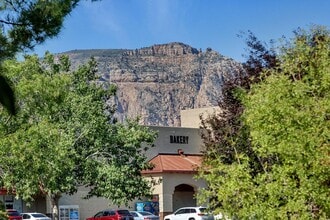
179	139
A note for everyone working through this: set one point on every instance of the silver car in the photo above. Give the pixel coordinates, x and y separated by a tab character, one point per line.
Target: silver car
34	216
144	215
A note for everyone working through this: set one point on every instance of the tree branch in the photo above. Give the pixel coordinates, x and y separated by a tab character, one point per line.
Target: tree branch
11	23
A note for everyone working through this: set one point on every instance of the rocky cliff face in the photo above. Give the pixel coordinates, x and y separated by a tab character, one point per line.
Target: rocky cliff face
156	82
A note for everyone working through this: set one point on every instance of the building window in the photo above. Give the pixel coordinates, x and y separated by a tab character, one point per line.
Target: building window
9	201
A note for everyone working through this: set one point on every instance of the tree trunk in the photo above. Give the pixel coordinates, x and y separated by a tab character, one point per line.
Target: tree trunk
54	203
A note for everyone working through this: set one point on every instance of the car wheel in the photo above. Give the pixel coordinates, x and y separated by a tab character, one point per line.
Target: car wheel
191	219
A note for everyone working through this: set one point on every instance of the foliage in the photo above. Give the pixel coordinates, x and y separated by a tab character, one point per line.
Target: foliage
3	214
62	136
24	24
259	56
31	22
224	130
225	136
281	170
7	98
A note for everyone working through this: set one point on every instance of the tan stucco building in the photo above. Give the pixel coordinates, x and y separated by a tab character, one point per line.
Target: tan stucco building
176	155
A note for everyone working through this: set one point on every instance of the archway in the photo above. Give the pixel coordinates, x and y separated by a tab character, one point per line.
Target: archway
183	196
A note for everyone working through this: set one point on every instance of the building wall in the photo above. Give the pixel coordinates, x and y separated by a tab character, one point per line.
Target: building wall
190	143
41	205
166	189
88	207
169	141
171	180
191	117
165	192
10	201
163	145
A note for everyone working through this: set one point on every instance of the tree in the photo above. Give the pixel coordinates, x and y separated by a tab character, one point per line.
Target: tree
24	24
225	136
221	128
3	214
279	161
62	136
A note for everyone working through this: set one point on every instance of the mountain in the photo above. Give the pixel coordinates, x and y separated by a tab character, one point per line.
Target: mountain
157	82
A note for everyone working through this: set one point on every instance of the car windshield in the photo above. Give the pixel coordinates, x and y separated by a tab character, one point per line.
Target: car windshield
145	213
38	215
123	212
202	210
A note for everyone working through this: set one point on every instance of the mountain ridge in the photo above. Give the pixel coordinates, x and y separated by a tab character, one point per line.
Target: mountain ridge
155	83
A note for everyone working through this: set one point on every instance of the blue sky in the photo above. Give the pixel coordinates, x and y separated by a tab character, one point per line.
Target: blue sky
131	24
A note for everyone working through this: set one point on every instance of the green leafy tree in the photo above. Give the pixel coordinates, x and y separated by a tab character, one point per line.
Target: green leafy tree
281	170
62	136
3	214
23	25
226	125
224	135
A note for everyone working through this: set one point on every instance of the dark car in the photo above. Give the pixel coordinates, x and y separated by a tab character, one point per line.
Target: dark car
13	214
115	214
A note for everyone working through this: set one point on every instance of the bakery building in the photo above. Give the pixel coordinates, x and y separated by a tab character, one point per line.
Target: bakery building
176	155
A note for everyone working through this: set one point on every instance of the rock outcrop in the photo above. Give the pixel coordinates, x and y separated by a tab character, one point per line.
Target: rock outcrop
156	82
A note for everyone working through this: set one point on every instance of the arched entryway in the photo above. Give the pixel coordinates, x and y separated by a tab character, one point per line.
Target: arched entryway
184	195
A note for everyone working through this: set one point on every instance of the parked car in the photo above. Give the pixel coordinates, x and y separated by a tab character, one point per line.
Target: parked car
144	215
13	214
34	216
116	214
190	213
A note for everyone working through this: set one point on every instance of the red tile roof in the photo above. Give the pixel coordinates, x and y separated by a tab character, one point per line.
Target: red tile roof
174	163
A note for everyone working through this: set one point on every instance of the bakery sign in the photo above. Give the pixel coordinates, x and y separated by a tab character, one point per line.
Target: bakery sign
177	139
